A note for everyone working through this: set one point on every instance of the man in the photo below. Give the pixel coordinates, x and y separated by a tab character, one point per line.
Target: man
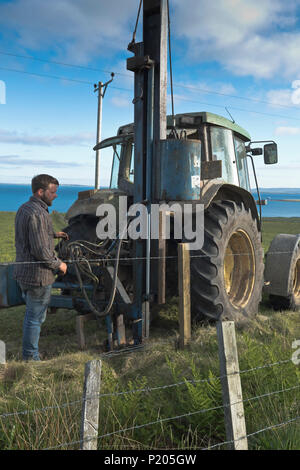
36	260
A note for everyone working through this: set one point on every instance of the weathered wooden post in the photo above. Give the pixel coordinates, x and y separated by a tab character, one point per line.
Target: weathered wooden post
231	386
90	407
80	322
184	294
2	353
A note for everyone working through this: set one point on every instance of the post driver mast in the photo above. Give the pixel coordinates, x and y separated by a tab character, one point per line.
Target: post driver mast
149	65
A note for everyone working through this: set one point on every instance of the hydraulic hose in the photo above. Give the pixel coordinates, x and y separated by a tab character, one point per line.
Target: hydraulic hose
114	286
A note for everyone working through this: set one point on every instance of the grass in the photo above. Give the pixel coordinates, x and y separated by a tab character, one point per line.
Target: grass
52	390
7	233
273	226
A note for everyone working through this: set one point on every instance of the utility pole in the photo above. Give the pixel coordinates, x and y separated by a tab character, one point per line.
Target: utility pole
101	89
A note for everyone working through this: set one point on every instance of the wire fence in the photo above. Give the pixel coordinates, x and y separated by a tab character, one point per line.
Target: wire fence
140	258
148	390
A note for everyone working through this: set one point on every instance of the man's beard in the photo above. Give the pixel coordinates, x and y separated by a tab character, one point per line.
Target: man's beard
46	200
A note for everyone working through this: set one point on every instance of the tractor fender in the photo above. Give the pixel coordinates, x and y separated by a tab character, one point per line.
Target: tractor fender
216	190
88	202
281	259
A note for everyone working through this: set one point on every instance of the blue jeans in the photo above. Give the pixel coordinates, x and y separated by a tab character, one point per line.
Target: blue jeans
37	300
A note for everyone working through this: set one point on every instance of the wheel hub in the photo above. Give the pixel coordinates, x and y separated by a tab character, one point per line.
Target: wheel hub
239	268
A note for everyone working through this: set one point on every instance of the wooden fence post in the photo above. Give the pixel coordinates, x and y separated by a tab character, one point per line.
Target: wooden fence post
90	407
184	294
2	353
231	386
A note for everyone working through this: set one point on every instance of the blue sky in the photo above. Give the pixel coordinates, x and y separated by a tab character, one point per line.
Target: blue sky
239	54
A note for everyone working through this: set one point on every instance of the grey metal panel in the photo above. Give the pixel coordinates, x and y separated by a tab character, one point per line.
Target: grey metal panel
180	168
156	46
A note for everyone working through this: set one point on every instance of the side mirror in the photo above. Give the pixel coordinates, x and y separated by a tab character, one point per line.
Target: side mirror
270	154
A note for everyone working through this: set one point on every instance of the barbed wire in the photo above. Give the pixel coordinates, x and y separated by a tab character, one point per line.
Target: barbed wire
268	428
141	258
145	390
162	420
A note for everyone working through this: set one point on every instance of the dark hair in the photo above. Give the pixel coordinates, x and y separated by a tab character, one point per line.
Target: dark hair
42	182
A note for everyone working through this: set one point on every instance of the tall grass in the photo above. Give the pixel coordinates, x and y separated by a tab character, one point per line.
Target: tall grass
45	398
57	385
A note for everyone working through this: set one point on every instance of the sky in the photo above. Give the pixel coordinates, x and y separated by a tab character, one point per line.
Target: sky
229	56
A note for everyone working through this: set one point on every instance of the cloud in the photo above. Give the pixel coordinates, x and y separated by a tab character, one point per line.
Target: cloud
14	137
283	131
285	97
247	37
121	101
281	97
16	161
77	30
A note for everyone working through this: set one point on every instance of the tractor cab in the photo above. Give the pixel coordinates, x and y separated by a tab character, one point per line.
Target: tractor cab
221	141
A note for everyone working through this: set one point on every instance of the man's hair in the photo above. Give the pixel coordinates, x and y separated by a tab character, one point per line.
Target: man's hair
42	182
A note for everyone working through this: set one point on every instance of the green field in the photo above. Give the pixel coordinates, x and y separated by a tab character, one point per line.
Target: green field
49	393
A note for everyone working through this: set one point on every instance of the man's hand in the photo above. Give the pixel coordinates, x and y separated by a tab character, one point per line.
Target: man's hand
62	235
63	268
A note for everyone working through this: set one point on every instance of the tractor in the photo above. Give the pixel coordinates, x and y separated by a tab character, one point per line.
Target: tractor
189	159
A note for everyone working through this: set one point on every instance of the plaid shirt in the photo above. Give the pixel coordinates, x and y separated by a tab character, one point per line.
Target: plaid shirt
34	242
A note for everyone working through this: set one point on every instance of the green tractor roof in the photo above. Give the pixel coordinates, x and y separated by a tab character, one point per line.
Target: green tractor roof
193	120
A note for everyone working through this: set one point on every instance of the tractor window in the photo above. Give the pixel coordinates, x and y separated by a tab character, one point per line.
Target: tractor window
131	173
241	161
115	167
222	149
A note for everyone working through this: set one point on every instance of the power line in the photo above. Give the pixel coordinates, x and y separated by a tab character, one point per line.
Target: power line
65	64
189	87
47	76
129	90
178	85
240	109
85	82
256	100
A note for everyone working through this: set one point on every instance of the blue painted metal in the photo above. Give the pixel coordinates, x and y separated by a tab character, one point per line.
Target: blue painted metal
61	301
69	285
180	170
10	292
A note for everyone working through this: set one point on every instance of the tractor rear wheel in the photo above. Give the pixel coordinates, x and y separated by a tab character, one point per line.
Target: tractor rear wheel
227	273
283	285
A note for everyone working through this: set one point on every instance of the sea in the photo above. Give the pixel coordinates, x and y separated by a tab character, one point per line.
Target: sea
280	202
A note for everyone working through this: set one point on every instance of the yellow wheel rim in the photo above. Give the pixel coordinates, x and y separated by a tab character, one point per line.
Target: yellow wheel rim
239	268
296	283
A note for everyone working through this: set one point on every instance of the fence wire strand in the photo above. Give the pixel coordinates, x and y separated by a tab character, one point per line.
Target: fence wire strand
141	390
140	258
192	413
